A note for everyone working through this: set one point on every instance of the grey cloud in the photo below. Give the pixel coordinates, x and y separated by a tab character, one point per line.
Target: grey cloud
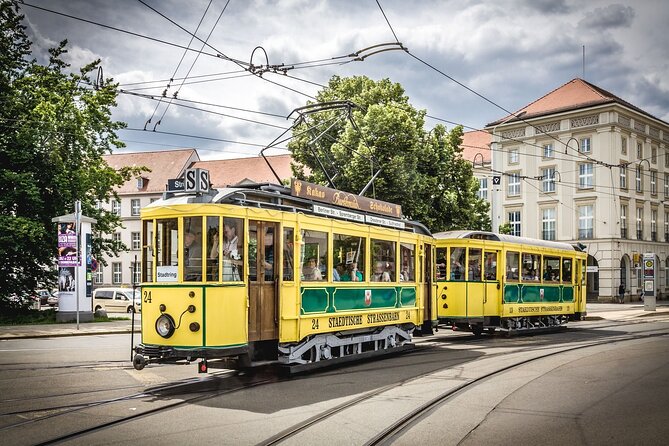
548	6
612	16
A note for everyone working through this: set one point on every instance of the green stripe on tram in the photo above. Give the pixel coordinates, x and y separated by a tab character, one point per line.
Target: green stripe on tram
336	299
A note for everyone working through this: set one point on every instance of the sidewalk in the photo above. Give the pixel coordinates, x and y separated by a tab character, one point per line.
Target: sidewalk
69	329
596	311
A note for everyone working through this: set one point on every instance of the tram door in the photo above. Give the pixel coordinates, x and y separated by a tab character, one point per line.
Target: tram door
429	286
263	240
476	287
491	272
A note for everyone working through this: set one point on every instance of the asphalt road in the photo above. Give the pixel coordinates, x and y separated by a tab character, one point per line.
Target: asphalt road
614	392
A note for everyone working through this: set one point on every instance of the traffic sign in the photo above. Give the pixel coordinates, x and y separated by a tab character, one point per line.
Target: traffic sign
497	180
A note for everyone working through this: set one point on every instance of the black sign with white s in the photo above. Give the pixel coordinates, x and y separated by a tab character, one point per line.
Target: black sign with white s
196	180
496	180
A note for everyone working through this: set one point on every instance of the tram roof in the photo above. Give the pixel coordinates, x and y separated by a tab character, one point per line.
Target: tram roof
505	238
265	195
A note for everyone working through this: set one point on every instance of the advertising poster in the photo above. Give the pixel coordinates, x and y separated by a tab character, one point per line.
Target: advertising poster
66	282
67	245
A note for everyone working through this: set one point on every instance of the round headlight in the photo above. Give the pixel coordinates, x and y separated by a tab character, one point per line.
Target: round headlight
165	325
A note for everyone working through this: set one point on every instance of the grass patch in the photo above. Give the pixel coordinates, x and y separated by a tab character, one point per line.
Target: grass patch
27	316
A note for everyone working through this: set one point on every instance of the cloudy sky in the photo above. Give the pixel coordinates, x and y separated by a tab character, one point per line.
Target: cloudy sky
508	51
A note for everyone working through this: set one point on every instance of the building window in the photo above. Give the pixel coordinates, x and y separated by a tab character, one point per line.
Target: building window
136	241
653	225
548	224
548	151
666	185
483	189
136	273
116	237
639	150
548	176
514	185
623	221
623	176
639	179
140	183
116	207
117	273
666	226
514	222
639	223
98	204
134	207
98	278
653	182
585	145
653	154
514	158
666	159
623	145
585	222
585	176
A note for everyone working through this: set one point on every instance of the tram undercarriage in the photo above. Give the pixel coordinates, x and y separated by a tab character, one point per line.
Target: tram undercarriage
509	325
311	353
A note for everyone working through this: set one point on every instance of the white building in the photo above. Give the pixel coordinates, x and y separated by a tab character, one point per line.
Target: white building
582	165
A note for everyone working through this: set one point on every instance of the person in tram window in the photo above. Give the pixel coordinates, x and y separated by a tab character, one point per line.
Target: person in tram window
352	274
311	271
456	271
380	275
231	256
338	272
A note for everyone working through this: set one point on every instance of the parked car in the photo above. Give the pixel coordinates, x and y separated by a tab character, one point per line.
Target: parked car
43	296
116	300
53	299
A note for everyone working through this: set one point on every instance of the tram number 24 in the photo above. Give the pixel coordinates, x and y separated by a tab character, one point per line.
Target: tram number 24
147	297
314	322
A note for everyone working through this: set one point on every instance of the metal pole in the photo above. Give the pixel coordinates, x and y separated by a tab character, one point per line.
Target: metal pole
77	226
134	290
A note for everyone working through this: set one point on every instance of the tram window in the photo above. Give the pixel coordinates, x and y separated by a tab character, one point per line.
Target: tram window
408	265
383	261
314	256
474	266
268	239
288	254
213	248
441	264
348	258
566	270
233	251
551	269
490	266
147	252
192	249
531	267
167	250
512	262
457	262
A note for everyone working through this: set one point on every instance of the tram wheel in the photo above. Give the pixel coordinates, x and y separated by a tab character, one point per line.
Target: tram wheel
477	330
139	362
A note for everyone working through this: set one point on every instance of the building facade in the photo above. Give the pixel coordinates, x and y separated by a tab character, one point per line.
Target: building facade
581	165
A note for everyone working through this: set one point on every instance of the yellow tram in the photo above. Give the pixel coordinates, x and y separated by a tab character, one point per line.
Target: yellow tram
495	281
298	275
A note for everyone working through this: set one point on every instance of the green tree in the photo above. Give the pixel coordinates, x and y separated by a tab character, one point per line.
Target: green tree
55	128
423	172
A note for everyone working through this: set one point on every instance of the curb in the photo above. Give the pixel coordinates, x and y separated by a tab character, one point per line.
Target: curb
5	337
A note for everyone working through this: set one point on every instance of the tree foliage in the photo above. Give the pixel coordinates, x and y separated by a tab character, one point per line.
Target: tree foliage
422	171
55	128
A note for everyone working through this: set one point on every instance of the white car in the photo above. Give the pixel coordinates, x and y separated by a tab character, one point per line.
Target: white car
116	300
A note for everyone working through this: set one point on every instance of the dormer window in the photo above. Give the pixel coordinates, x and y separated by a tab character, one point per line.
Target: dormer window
140	182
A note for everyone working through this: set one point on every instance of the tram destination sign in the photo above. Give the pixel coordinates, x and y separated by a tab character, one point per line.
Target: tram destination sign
328	195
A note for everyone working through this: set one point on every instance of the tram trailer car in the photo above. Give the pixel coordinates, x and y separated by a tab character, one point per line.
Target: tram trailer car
488	281
268	273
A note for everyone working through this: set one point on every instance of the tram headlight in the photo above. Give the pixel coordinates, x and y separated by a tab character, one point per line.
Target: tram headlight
165	325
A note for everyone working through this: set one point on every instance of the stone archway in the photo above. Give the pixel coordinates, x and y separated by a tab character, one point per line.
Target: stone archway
592	279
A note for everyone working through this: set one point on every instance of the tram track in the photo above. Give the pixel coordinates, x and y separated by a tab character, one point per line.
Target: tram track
397	428
172	390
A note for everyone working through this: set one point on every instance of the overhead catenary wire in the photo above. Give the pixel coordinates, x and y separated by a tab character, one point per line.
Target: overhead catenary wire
183	55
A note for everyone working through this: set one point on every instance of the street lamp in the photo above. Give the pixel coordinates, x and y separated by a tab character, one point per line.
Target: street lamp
566	145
